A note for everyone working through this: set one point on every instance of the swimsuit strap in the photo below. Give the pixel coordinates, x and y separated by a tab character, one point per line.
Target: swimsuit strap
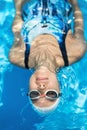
26	55
64	53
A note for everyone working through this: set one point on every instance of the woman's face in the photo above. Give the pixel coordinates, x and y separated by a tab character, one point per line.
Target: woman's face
43	80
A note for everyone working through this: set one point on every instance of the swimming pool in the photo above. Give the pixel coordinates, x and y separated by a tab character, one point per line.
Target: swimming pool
16	112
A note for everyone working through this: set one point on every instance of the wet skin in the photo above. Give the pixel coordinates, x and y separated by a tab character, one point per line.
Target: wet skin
43	80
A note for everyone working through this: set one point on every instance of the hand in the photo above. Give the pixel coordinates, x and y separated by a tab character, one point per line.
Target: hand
73	2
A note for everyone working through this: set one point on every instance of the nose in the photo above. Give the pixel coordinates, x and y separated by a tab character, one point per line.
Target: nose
42	82
41	86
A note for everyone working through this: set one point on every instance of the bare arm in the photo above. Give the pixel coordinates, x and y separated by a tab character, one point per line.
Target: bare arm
16	54
75	44
18	17
17	24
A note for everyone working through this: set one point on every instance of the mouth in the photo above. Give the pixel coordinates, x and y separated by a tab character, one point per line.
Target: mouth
43	79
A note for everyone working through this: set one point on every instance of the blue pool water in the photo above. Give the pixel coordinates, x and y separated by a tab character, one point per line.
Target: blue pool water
16	112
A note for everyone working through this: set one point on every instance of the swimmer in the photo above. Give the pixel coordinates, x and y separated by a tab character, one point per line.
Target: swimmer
46	48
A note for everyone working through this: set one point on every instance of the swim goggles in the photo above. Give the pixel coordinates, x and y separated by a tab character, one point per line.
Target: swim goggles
49	94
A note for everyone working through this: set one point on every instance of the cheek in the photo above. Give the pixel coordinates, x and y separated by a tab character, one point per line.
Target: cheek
53	80
32	84
53	84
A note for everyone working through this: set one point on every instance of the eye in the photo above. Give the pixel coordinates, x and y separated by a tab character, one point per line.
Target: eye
51	94
34	94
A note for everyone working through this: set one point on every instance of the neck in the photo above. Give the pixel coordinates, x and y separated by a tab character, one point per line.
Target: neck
43	53
49	65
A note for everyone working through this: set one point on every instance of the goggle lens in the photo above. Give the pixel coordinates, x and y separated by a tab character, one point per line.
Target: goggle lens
50	94
34	94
